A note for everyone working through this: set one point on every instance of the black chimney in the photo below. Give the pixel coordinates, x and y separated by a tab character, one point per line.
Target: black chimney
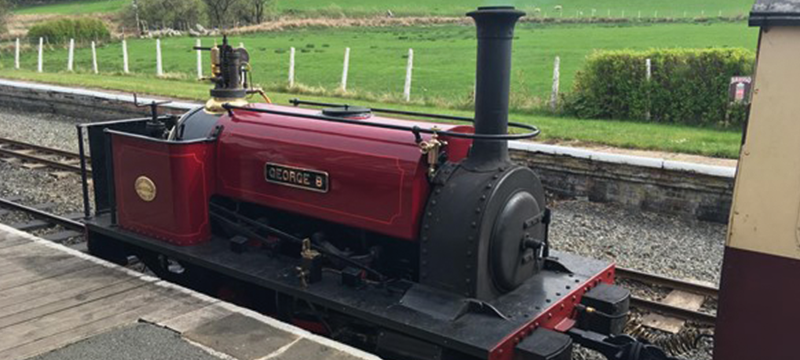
493	79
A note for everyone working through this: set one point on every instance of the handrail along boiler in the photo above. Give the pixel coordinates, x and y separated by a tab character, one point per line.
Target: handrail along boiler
411	239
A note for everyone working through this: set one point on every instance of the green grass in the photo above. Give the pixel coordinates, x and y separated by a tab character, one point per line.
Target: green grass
674	8
710	142
75	7
444	56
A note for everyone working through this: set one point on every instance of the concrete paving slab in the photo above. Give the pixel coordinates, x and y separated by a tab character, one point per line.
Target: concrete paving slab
305	349
240	336
137	342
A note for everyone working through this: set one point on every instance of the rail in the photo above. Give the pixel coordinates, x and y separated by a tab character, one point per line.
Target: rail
41	155
674	284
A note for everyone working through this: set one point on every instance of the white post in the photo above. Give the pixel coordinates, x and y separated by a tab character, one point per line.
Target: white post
198	44
409	67
702	13
345	68
291	67
640	15
71	55
655	15
159	68
41	44
719	14
623	14
124	56
684	13
556	75
648	75
94	58
609	13
16	54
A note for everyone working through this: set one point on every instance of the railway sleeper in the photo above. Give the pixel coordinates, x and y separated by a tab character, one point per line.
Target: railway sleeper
32	225
62	236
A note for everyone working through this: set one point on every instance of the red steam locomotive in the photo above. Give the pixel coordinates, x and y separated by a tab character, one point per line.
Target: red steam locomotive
409	238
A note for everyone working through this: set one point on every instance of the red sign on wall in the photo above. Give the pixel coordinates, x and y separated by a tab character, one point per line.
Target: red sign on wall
739	90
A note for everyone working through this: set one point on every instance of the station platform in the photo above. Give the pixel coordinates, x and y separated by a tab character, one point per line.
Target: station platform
59	303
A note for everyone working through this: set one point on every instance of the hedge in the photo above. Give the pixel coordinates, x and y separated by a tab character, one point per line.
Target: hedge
61	30
687	86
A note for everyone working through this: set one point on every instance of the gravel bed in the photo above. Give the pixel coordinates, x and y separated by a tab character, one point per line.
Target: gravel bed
39	186
650	242
45	129
656	243
36	187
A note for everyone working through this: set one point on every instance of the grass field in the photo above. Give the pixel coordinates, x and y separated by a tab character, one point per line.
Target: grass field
672	138
674	8
75	7
444	56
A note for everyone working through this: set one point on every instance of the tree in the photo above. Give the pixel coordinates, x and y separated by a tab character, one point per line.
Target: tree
165	13
220	12
252	11
5	9
259	9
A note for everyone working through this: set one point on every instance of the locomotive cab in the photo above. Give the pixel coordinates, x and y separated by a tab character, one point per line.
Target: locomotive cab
414	239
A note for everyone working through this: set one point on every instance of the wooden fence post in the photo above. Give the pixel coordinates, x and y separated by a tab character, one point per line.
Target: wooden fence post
648	76
409	68
94	58
198	44
345	68
16	54
556	76
71	55
39	64
291	67
159	67
124	56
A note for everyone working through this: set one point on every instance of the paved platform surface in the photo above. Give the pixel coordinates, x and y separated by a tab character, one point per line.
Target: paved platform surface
58	303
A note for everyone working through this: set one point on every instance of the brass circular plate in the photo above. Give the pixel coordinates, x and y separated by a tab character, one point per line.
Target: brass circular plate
145	188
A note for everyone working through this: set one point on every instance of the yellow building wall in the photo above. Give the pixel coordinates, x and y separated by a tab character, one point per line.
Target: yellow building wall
765	216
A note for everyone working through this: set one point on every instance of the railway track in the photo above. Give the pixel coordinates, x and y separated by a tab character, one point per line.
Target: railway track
709	292
63	228
34	156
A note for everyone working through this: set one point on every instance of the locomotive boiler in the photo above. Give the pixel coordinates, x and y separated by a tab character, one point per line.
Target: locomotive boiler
414	239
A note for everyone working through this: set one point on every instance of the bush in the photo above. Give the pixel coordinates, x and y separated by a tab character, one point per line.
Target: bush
61	30
175	14
688	86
